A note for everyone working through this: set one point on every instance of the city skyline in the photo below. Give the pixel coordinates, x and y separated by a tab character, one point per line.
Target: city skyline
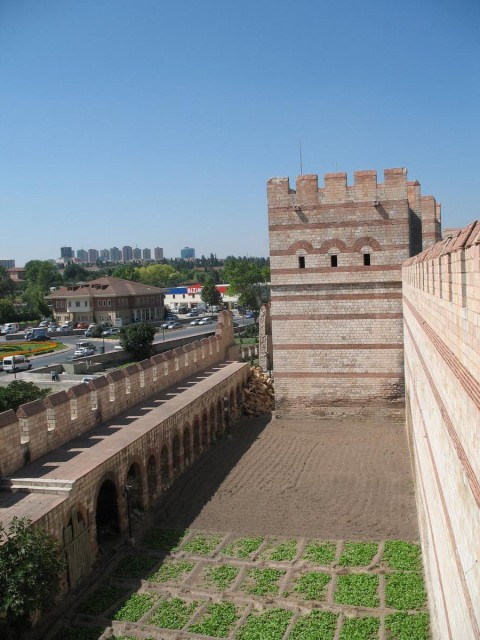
173	118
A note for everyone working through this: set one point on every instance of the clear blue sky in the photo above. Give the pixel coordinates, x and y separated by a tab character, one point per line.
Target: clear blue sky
155	123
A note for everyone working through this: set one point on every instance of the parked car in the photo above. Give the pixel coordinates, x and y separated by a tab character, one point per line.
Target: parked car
249	314
88	378
82	352
204	321
196	321
36	338
81	325
174	325
43	323
111	332
192	314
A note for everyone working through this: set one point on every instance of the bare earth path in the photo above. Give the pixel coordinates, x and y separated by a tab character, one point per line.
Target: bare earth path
328	479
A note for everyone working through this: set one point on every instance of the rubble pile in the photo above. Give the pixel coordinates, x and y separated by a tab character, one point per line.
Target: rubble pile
258	395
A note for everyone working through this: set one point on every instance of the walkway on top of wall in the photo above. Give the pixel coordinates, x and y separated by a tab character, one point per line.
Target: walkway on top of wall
78	457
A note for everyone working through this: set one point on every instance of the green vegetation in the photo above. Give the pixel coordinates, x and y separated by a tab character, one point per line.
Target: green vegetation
173	613
242	547
312	585
365	628
171	570
283	552
80	633
165	539
210	294
217	621
358	554
30	565
134	567
320	552
137	339
221	576
28	348
318	625
135	607
402	556
406	626
270	625
19	392
102	599
357	589
405	591
263	582
201	544
248	280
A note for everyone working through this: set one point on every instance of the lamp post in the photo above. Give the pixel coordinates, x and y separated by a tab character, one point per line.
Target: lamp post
14	368
126	493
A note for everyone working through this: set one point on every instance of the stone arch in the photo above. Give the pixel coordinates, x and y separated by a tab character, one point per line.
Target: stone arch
107	519
335	243
152	483
300	247
239	397
212	423
366	241
164	467
176	453
219	420
77	545
197	445
187	445
204	430
134	486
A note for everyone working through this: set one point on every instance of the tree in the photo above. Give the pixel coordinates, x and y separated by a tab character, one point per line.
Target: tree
125	271
249	280
30	565
76	273
7	286
137	339
7	311
210	294
158	275
19	392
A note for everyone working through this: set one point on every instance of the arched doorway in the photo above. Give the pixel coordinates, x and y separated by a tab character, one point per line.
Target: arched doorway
152	478
196	437
219	424
187	452
212	424
204	431
177	462
106	513
134	487
164	467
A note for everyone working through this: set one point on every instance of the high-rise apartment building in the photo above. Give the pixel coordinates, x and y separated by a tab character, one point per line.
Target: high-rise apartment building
158	253
187	253
82	255
66	253
147	254
115	254
137	254
105	254
93	255
7	264
127	254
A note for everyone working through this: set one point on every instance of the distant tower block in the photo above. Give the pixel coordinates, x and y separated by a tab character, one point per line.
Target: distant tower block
336	308
158	253
187	253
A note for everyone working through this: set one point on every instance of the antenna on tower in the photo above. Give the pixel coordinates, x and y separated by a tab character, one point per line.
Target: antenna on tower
301	161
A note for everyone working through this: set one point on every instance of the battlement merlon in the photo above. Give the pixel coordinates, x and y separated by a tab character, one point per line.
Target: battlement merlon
336	190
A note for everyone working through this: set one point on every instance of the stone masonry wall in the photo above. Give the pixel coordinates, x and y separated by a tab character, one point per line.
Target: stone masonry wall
43	425
441	298
336	307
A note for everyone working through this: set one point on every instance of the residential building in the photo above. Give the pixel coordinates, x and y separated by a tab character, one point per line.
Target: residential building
82	255
115	254
105	255
137	254
158	253
147	254
7	264
107	299
66	253
187	253
93	256
127	254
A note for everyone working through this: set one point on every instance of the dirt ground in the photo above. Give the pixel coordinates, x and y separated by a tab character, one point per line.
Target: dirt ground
335	480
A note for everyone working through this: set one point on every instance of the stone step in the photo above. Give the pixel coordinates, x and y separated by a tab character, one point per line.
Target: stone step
36	485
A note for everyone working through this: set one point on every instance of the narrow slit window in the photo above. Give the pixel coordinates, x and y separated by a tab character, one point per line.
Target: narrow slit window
334	261
366	259
301	262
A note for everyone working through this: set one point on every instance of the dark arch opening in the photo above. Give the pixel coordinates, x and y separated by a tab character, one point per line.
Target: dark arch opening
177	462
187	452
204	431
196	437
134	487
212	424
152	478
219	426
106	514
239	397
164	467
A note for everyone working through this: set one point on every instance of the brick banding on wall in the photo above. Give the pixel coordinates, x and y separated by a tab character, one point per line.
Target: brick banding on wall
328	347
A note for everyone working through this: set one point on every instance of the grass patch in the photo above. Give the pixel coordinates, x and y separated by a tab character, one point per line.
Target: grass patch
318	625
365	628
243	547
270	625
135	607
171	571
102	599
29	348
223	576
217	621
358	590
402	556
263	582
358	554
165	539
312	585
134	567
173	613
405	591
282	552
406	626
320	552
201	544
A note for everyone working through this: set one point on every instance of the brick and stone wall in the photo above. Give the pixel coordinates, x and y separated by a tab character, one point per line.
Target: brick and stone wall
336	308
441	298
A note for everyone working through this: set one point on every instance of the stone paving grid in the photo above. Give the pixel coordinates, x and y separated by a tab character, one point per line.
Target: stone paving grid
191	587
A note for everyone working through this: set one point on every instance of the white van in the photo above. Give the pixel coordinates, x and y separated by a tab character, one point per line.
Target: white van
16	363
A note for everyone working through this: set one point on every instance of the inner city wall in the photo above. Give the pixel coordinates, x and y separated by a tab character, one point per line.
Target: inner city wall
441	301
